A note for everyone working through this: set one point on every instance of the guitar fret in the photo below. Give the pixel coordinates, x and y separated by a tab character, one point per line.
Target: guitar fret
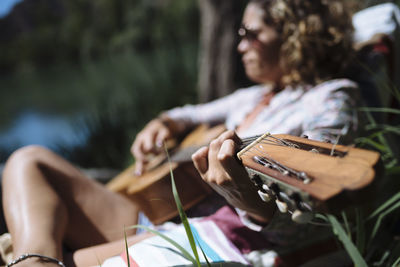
259	139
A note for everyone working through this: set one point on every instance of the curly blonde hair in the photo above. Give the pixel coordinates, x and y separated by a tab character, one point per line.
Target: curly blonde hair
316	37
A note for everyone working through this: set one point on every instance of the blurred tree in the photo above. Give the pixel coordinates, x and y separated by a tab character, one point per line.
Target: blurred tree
43	32
29	34
105	59
220	71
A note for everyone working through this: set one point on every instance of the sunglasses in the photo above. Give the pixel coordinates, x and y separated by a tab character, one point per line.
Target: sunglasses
248	34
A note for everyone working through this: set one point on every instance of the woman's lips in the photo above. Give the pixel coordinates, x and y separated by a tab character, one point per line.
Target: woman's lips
248	60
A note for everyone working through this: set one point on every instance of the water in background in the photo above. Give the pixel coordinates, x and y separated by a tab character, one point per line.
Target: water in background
6	6
32	127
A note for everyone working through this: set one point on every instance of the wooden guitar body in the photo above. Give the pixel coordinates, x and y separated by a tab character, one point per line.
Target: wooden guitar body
152	191
304	175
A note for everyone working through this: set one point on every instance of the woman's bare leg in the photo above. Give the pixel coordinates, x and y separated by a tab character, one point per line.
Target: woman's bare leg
48	202
96	255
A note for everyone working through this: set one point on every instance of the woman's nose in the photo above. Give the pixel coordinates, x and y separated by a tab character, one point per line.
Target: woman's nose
243	45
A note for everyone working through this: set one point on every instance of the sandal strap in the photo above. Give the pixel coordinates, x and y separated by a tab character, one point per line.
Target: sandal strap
34	255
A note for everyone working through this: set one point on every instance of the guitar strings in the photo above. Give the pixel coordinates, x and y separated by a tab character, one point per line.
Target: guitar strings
279	141
267	161
270	139
247	141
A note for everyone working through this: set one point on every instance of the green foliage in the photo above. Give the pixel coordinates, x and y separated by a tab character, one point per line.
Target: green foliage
182	214
371	234
131	89
126	250
371	238
346	241
73	31
117	96
368	248
34	38
117	62
68	43
166	238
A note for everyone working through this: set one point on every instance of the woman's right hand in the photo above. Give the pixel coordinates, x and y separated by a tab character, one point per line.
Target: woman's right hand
151	139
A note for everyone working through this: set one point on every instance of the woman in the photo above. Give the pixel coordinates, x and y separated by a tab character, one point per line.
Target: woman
293	49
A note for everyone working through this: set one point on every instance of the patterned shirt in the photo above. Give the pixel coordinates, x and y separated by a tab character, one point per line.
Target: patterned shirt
321	112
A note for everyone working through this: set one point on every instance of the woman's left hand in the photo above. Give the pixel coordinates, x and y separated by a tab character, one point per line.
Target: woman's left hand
219	167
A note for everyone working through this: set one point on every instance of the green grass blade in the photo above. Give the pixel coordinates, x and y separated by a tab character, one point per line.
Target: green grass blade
184	219
126	249
204	255
394	258
346	224
384	128
381	217
98	261
382	139
385	205
182	214
372	143
321	216
383	259
393	170
396	263
166	238
348	245
385	110
360	231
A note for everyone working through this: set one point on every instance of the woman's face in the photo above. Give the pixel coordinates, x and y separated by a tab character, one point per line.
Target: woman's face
260	46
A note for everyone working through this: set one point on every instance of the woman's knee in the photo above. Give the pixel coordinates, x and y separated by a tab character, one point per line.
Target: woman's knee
21	159
27	154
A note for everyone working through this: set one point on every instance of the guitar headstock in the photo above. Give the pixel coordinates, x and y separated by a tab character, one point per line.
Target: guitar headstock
304	176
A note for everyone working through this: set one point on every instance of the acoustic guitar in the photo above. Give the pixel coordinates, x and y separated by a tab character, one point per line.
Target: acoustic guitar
304	176
152	191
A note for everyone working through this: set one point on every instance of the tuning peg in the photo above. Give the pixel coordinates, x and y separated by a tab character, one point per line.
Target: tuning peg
282	206
256	180
264	196
302	216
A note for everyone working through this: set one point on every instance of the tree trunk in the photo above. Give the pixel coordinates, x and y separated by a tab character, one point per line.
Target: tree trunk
218	58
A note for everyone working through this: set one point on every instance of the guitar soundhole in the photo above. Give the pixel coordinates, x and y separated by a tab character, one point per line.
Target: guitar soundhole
316	149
